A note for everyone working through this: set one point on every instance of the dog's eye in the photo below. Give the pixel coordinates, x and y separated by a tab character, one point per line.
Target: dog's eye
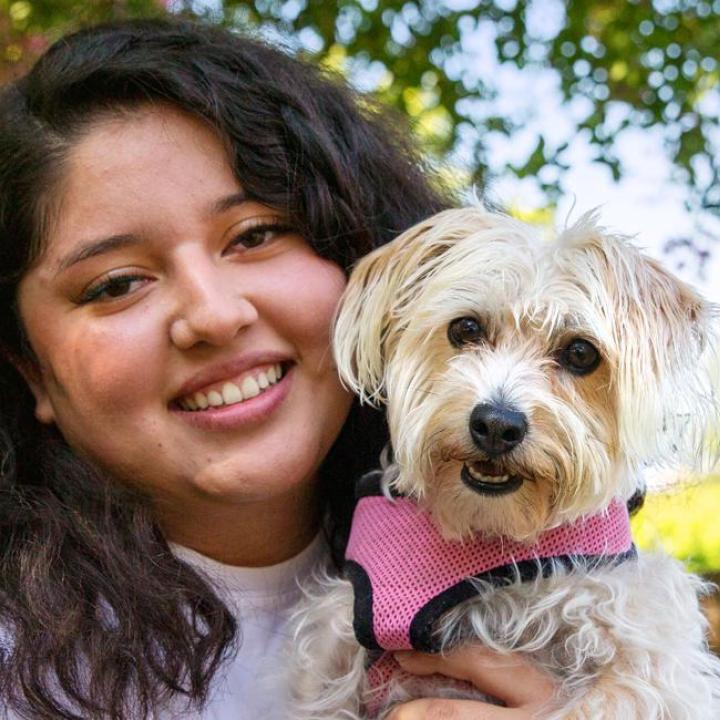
464	330
580	357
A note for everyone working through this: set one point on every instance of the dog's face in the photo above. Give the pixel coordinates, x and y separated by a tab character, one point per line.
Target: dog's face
525	381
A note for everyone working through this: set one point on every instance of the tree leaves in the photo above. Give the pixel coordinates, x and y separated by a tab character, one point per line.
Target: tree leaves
657	60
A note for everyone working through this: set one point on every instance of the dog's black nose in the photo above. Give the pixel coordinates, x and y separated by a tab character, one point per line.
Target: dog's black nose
497	429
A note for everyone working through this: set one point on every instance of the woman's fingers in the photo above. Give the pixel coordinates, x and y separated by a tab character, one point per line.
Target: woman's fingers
439	709
509	678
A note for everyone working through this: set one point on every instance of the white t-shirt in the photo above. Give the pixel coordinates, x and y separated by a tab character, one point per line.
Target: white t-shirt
249	686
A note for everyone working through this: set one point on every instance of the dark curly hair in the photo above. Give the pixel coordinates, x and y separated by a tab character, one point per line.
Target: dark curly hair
103	620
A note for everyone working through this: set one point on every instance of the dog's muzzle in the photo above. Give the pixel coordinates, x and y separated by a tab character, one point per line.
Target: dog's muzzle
496	429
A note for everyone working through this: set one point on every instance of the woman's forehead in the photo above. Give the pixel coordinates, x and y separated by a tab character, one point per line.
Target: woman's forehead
157	167
155	142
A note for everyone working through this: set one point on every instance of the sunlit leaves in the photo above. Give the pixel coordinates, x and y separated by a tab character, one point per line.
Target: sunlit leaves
27	27
429	59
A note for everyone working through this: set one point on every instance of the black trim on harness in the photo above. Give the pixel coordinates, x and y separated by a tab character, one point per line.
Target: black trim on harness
423	624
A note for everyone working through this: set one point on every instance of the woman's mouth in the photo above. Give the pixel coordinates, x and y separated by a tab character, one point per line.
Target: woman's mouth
486	478
232	392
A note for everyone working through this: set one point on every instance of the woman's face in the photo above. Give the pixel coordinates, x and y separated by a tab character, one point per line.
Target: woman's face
163	289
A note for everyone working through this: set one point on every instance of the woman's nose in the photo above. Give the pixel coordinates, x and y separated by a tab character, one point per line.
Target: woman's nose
211	308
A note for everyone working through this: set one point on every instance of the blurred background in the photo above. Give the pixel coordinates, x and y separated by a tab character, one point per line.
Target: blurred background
547	107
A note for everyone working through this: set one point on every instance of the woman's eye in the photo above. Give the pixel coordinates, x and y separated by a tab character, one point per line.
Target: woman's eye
112	288
259	235
580	357
465	331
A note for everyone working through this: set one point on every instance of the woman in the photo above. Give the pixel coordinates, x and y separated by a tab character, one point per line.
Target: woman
178	211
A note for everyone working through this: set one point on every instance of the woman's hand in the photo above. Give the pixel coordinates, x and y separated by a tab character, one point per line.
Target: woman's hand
524	688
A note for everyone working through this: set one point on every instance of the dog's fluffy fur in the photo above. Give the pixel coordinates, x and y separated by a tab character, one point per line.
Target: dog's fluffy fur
624	641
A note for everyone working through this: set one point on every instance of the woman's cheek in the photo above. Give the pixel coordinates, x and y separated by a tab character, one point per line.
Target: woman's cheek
316	298
106	370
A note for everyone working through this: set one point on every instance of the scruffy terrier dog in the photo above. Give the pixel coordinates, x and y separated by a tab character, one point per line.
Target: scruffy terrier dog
526	383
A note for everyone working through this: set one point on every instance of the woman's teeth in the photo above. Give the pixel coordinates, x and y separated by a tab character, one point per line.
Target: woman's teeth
230	393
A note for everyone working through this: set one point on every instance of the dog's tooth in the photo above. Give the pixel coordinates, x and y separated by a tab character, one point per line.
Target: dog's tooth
278	371
201	400
271	374
262	380
481	477
190	403
215	399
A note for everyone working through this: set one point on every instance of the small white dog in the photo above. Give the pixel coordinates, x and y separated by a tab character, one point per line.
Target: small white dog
526	383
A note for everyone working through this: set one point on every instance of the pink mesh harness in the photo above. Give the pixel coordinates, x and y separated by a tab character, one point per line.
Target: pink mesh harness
405	575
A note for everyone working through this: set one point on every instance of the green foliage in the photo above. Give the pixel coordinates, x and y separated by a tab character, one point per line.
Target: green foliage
27	27
658	58
684	522
636	63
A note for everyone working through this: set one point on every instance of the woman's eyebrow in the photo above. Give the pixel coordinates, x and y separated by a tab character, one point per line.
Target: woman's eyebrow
96	247
227	202
116	242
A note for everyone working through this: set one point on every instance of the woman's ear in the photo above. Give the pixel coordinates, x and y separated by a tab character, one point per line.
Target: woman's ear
35	378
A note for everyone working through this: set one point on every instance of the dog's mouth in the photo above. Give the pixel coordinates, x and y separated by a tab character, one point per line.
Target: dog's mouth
486	478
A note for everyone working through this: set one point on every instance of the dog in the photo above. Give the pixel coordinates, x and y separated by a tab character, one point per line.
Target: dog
526	384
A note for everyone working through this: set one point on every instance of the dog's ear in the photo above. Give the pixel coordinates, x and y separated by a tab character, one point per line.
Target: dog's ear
663	332
375	306
663	369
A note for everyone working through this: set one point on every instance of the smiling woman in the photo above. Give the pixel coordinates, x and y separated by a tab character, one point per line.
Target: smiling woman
179	207
181	294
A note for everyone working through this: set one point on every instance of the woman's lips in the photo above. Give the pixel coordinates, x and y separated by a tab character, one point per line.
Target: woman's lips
230	369
249	411
232	391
